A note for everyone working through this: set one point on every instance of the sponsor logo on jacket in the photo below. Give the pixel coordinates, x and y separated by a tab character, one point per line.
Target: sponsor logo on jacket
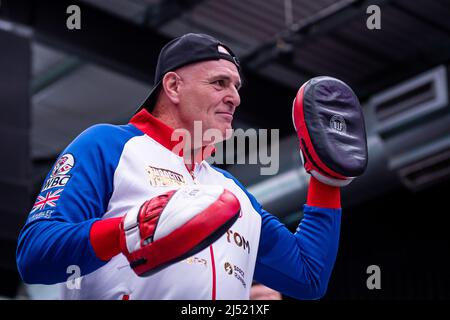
235	238
197	261
239	274
160	177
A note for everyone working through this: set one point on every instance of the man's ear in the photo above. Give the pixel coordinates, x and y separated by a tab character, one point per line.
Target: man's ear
171	85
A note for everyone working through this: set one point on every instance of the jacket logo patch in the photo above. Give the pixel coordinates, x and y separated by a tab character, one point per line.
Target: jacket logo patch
162	177
197	261
63	165
239	274
57	181
59	176
238	240
41	215
47	200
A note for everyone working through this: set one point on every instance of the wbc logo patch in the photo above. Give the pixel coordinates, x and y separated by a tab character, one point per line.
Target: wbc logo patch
63	165
59	176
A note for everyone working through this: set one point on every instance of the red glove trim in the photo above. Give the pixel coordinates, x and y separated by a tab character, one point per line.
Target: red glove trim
105	238
298	117
322	195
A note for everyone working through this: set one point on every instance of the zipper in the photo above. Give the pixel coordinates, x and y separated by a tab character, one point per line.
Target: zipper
193	177
192	173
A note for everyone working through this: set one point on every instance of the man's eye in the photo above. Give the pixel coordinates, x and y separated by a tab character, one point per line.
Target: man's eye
221	83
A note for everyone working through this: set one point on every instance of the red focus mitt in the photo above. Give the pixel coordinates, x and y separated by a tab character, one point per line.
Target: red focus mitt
175	225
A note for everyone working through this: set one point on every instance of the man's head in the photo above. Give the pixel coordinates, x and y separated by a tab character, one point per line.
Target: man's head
197	79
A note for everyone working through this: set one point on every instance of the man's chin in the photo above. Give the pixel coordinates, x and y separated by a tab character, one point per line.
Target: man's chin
228	133
214	136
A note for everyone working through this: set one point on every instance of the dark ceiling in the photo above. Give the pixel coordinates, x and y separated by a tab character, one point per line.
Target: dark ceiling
280	46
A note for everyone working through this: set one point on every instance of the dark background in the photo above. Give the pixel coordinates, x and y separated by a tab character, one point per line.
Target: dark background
55	82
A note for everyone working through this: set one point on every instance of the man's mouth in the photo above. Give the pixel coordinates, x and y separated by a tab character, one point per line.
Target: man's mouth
227	115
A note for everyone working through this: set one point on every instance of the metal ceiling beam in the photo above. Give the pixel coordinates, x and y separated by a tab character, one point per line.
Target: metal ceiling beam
330	20
319	24
165	11
103	38
55	73
133	50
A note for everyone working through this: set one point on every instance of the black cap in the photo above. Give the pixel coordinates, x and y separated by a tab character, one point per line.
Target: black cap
184	50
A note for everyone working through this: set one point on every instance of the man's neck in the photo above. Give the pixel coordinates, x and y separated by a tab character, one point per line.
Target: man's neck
166	117
192	153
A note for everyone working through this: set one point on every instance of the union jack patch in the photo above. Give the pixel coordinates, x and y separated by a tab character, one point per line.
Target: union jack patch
49	199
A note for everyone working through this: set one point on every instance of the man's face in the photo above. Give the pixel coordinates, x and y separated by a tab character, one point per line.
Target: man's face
209	93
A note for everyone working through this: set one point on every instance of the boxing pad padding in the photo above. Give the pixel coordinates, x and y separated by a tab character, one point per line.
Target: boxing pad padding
330	126
176	225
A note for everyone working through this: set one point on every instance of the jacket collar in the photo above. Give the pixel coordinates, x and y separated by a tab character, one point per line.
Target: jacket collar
162	133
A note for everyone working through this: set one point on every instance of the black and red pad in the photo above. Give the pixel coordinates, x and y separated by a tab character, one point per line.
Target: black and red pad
330	125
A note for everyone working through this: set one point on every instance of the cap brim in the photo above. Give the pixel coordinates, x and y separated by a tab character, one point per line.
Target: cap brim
150	101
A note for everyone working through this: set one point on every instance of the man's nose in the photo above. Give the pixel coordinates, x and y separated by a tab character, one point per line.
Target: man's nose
233	98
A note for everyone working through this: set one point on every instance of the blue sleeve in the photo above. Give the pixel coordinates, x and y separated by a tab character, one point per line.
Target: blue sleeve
298	265
75	194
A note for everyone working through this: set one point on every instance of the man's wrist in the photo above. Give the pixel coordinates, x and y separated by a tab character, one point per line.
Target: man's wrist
105	238
322	195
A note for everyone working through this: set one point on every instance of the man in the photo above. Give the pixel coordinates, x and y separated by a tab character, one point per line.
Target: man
110	206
